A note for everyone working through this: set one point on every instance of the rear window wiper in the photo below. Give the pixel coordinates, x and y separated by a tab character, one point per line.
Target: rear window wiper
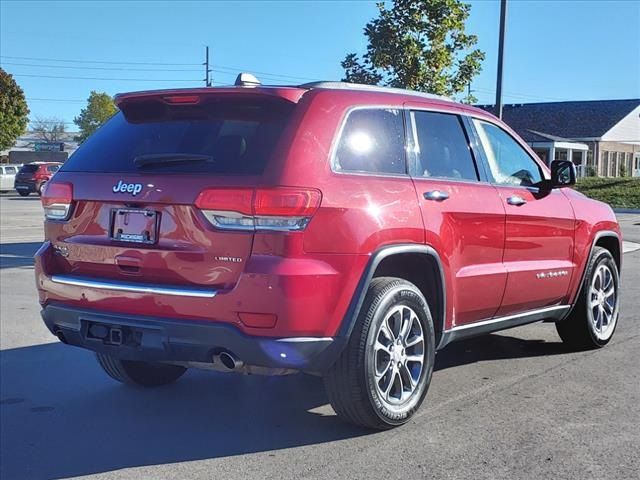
142	161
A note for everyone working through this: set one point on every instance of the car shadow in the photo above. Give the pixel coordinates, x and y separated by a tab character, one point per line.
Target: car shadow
61	416
16	255
494	346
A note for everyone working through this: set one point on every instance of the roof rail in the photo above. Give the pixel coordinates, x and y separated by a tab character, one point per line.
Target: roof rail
373	88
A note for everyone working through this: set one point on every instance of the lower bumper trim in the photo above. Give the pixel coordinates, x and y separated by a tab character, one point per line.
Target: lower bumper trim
169	340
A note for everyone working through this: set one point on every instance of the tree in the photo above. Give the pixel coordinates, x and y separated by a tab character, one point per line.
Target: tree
420	45
50	129
99	109
13	111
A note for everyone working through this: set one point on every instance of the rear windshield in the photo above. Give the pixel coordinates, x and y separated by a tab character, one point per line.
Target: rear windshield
29	168
228	137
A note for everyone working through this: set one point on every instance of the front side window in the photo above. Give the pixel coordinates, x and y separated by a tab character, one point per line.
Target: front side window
372	141
10	170
53	168
441	147
509	163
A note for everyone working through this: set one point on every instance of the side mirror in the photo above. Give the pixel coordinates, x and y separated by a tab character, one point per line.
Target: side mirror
563	173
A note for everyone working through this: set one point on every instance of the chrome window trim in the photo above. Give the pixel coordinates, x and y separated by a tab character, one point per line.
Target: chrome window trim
543	168
146	288
338	136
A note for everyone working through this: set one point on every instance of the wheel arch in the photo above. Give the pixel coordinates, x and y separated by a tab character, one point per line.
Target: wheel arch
607	239
408	262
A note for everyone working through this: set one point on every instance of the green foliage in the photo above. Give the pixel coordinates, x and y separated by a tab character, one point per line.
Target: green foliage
617	192
99	109
420	45
13	111
591	171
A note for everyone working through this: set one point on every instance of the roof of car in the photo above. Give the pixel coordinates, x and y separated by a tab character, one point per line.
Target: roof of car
292	93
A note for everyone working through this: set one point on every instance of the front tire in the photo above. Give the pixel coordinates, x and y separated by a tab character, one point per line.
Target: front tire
142	374
383	375
23	193
593	320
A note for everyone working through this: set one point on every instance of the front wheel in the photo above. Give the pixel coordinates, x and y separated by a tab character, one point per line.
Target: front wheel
142	374
382	376
594	318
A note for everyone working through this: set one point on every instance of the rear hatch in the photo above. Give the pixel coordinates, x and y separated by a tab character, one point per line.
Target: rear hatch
27	173
144	187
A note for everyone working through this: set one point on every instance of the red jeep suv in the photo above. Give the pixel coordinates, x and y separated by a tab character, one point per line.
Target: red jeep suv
335	229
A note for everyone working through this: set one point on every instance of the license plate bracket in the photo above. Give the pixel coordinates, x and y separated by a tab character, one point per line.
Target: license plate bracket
134	225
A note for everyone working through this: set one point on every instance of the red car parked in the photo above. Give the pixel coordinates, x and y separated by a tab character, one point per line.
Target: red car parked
32	177
336	229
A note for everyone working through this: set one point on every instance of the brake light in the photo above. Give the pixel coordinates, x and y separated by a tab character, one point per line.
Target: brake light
57	199
280	208
182	99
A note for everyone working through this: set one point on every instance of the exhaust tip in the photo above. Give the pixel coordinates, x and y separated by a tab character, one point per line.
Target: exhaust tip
229	361
60	335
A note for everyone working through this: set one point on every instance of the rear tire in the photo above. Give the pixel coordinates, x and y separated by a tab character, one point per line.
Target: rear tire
137	373
383	375
594	318
40	188
22	193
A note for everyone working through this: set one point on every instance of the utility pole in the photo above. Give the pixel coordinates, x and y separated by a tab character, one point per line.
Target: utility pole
207	70
503	18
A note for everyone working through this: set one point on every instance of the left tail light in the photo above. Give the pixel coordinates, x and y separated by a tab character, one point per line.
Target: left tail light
57	200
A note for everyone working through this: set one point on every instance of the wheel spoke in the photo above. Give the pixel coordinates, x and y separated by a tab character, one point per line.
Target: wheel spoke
380	375
407	373
381	346
413	341
406	323
415	359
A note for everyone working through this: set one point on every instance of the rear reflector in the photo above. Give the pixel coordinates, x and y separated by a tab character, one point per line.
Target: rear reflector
56	200
280	208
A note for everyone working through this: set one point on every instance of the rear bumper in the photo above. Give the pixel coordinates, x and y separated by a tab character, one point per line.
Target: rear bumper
166	340
25	186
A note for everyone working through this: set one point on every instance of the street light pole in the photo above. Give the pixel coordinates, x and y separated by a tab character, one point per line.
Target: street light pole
503	18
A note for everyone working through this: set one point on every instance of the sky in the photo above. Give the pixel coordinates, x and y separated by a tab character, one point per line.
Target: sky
554	50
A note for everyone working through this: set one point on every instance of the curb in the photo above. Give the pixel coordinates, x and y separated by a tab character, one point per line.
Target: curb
626	210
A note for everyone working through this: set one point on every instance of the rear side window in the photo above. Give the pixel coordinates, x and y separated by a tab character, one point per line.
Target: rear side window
372	141
9	169
510	164
220	136
53	168
29	168
441	147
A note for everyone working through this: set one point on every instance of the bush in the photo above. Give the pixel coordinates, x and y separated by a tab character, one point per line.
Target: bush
617	192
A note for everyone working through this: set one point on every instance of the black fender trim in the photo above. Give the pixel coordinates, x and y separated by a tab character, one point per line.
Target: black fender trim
596	237
361	290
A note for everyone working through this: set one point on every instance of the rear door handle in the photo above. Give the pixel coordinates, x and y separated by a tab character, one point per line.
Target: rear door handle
516	200
436	195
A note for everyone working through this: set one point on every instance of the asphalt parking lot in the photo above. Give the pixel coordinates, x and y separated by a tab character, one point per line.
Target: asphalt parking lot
513	405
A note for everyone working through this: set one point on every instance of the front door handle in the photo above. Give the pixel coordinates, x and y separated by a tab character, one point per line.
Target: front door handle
436	195
516	200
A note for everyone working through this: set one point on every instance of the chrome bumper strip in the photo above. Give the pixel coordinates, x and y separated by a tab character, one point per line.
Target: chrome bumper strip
133	287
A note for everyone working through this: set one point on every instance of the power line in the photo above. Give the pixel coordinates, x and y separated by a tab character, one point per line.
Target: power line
126	69
98	61
55	100
111	79
219	68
